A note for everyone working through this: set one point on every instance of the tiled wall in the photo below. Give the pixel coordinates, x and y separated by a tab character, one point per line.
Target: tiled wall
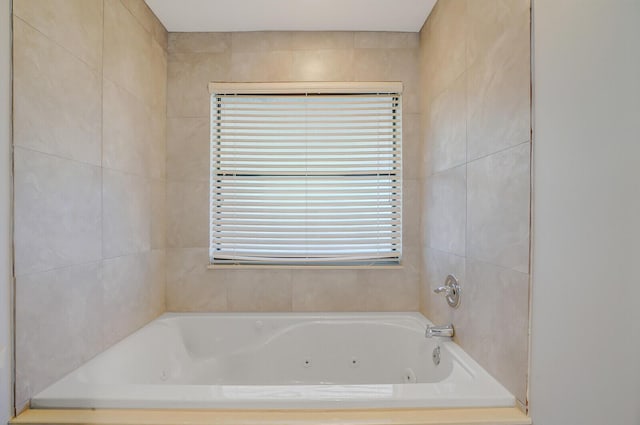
195	59
89	135
474	69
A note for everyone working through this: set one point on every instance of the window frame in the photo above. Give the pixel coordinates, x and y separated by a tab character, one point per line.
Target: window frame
306	88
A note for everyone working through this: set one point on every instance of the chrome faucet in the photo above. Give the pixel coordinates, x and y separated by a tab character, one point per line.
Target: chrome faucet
441	331
451	291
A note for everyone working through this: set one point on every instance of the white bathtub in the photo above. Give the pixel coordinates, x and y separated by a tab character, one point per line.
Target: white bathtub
279	361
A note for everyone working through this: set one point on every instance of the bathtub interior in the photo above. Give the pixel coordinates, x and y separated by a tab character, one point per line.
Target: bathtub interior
278	361
196	350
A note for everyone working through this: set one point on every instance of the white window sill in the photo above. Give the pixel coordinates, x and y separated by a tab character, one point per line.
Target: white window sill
300	267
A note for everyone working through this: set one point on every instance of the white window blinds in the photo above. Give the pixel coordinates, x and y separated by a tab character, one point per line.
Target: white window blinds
306	179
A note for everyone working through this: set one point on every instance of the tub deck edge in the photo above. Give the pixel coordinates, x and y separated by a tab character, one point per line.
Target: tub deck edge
457	416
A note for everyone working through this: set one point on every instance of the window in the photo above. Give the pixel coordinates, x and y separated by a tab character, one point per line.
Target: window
307	175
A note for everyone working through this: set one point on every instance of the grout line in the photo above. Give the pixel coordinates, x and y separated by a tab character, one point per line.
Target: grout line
466	257
87	64
12	248
477	159
57	156
84	263
102	139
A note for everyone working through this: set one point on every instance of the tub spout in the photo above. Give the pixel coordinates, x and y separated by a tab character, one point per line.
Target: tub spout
441	331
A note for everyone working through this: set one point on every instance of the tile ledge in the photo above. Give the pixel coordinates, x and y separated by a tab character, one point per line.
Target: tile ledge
461	416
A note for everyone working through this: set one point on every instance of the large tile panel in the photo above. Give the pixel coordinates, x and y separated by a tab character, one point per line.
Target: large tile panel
187	214
127	50
158	214
445	210
190	285
322	65
259	290
56	99
59	316
188	149
57	212
189	75
199	42
446	136
327	290
498	208
444	39
127	282
126	214
492	322
126	139
499	86
75	25
273	65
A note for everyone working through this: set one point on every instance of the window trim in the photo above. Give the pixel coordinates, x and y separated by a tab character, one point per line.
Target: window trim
295	88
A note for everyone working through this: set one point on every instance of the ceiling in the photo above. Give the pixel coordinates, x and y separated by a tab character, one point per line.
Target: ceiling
291	15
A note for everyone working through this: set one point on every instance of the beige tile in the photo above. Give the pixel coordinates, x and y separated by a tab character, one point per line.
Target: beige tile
189	75
158	214
199	42
57	212
494	25
134	292
391	65
127	50
126	140
498	208
187	214
158	153
261	41
57	107
504	353
319	40
438	265
141	12
386	290
446	133
393	289
262	66
322	65
59	316
327	290
160	33
385	40
411	213
158	110
445	46
411	146
188	149
498	113
127	283
158	77
411	97
445	210
126	206
258	290
157	288
386	65
190	286
75	25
